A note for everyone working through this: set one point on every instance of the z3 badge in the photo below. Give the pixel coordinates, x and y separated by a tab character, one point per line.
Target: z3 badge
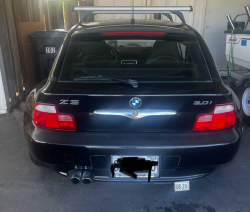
69	102
203	102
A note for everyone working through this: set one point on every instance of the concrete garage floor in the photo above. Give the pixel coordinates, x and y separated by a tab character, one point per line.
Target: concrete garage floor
25	187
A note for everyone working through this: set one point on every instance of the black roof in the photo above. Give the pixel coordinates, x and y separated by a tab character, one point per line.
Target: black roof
121	24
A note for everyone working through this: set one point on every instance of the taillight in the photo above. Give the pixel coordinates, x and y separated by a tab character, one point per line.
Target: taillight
47	116
223	117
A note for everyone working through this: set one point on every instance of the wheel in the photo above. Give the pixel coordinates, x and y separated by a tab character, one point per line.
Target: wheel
245	99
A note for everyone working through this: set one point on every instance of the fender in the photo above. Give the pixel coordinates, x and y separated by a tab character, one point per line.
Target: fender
245	78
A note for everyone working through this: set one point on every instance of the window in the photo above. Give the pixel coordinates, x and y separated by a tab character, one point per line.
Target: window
141	59
182	49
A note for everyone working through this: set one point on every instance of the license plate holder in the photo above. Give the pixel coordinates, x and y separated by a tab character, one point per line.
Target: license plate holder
154	171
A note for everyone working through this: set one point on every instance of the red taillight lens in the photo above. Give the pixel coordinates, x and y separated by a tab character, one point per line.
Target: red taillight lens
134	33
222	117
47	116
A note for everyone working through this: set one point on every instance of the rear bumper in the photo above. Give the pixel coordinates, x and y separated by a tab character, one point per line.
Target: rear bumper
181	155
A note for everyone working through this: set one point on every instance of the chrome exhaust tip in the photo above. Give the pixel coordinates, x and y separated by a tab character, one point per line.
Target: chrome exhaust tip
76	176
88	177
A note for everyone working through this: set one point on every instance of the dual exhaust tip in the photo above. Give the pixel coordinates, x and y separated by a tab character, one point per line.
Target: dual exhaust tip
85	176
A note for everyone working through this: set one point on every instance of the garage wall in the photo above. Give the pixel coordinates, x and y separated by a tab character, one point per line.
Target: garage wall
208	18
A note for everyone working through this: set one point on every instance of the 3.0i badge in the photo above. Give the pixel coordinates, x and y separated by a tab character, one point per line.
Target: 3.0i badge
135	102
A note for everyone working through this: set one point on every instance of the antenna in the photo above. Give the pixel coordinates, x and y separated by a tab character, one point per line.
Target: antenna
133	19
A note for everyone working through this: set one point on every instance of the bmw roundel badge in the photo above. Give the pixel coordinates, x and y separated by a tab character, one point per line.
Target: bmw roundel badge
135	102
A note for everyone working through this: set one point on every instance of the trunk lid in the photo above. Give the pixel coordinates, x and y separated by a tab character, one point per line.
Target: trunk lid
85	100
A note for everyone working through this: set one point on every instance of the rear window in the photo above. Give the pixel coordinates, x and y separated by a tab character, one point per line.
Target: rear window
176	58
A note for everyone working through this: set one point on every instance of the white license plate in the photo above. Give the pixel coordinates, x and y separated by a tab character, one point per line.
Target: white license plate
154	171
182	186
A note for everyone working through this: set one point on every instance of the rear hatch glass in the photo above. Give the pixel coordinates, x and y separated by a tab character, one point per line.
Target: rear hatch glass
172	77
169	58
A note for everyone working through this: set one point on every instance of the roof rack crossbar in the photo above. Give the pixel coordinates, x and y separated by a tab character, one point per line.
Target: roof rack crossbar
91	15
133	10
121	8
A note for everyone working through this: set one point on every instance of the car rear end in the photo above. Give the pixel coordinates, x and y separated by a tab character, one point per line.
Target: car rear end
88	115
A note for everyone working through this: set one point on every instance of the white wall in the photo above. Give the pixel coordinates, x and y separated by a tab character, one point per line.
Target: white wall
3	106
3	87
208	18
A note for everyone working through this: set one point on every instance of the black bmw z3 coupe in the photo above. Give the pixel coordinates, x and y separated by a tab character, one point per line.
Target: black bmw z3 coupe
125	101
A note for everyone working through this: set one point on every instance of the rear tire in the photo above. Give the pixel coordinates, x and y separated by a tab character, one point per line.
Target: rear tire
245	100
